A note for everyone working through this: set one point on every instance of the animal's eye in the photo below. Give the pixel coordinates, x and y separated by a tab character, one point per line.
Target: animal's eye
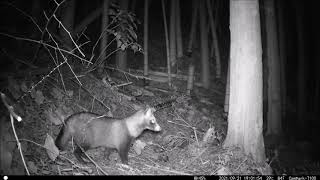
153	121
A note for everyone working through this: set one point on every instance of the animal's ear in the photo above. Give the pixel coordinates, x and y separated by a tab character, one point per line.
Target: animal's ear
149	111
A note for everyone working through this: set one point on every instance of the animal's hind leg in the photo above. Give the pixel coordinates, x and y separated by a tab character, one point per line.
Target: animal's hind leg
80	155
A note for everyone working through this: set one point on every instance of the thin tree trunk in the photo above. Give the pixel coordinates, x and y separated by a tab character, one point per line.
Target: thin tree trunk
89	19
216	15
167	42
145	37
274	93
283	56
193	25
37	13
173	59
178	30
245	111
205	71
301	70
67	11
190	78
104	40
121	56
215	43
133	5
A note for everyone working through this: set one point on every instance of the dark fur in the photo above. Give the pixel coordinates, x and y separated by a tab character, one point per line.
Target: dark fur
90	130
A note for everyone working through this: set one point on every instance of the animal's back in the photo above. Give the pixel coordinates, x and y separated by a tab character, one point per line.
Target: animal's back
88	130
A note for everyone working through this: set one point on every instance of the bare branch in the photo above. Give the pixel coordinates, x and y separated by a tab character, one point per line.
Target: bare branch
10	108
46	26
19	144
132	75
45	44
60	23
65	58
24	13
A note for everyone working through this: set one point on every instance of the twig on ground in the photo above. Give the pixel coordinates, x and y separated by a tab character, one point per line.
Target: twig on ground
18	118
123	84
10	108
132	75
19	145
168	170
73	163
195	158
97	166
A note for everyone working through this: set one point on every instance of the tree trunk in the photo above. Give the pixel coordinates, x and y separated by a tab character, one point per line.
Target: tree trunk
36	13
215	43
272	48
173	59
245	110
217	6
301	70
67	13
193	26
167	41
190	78
178	30
89	19
283	56
104	40
145	37
121	56
227	95
133	6
205	71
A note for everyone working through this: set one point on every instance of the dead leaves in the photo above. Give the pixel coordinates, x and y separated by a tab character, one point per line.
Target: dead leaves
51	148
37	96
58	115
138	146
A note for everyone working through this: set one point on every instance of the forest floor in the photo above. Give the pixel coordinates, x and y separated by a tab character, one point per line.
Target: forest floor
179	149
193	127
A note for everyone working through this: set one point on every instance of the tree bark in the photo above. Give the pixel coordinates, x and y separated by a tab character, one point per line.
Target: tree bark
193	25
89	19
167	42
205	71
215	43
178	30
227	95
104	40
121	56
282	56
173	48
145	37
245	110
274	93
301	69
133	6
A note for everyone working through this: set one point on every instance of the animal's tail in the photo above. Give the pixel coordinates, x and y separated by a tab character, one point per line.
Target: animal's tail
63	138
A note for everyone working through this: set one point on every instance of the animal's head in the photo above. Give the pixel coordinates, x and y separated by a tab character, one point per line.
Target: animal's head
142	120
150	121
